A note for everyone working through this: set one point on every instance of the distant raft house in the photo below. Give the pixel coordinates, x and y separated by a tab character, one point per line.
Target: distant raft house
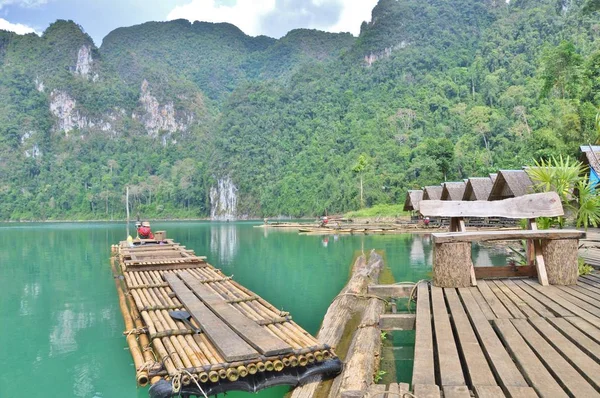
479	188
511	184
589	157
413	198
453	190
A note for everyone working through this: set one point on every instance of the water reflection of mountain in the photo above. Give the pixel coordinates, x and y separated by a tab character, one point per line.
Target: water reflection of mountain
224	243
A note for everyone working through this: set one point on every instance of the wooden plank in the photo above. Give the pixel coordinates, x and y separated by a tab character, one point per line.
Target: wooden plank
499	310
483	305
579	295
567	301
258	337
456	392
527	206
426	390
486	236
376	391
502	365
518	302
397	321
508	304
230	345
577	358
531	367
548	303
488	392
567	376
162	267
538	307
508	271
400	290
448	361
590	330
477	369
585	343
521	392
540	264
423	365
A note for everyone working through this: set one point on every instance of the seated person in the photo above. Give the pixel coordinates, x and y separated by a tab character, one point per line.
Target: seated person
144	231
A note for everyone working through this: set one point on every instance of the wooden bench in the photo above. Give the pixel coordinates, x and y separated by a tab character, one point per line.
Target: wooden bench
554	252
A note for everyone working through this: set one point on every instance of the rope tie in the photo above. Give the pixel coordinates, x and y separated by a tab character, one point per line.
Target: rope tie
176	382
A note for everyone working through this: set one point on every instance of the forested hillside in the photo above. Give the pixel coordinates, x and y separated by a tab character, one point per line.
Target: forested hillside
200	119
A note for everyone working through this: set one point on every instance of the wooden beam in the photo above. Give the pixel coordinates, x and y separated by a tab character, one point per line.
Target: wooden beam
397	321
400	290
528	206
484	236
509	271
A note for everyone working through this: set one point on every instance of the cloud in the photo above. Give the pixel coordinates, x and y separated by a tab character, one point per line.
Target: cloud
22	3
277	17
16	27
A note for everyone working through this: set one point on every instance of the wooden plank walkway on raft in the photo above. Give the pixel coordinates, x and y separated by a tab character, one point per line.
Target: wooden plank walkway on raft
508	338
232	332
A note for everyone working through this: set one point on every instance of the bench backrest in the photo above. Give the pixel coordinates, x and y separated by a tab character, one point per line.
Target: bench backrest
527	206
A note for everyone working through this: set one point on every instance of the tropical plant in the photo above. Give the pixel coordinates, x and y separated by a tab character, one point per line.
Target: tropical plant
379	375
583	268
588	213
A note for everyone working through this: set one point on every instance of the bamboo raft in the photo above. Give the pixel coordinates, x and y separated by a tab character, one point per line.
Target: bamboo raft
233	339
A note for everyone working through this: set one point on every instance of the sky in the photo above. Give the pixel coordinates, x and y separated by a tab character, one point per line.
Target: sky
273	18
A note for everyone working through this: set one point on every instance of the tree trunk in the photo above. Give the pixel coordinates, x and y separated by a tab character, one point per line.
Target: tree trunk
362	204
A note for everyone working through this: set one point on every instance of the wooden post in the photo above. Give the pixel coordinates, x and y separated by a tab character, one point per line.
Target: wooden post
452	264
560	256
127	205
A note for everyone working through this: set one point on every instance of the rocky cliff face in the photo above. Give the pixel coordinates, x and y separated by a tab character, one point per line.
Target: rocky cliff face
69	118
223	200
84	61
159	117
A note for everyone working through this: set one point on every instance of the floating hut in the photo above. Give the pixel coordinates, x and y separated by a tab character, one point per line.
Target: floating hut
192	330
413	197
432	192
453	190
478	188
510	184
589	157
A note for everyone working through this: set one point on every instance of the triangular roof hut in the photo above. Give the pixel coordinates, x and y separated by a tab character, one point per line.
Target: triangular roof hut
413	198
478	188
453	190
432	192
510	184
590	156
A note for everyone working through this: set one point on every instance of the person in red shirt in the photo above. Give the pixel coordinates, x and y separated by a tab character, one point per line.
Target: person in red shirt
144	231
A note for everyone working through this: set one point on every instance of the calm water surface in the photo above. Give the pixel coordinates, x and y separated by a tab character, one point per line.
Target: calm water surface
60	323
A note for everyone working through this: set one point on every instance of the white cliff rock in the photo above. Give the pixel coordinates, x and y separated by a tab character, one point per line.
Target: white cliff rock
223	200
159	117
84	61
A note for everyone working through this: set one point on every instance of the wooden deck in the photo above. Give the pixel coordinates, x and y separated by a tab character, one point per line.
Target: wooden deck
232	333
508	337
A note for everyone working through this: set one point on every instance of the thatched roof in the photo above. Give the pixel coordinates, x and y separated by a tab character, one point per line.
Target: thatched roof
493	176
590	156
413	198
510	184
453	190
478	188
432	192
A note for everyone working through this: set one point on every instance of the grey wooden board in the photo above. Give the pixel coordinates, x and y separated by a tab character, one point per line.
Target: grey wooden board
377	391
456	392
580	295
423	365
501	362
448	361
568	377
526	206
521	392
488	392
485	236
586	327
504	299
563	300
477	368
584	284
531	367
426	390
548	303
580	339
231	346
258	337
499	309
579	359
397	390
483	305
537	307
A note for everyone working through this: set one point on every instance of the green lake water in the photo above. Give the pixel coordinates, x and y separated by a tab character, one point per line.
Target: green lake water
60	323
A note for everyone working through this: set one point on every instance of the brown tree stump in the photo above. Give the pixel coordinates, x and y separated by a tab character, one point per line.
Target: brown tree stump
560	257
452	264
